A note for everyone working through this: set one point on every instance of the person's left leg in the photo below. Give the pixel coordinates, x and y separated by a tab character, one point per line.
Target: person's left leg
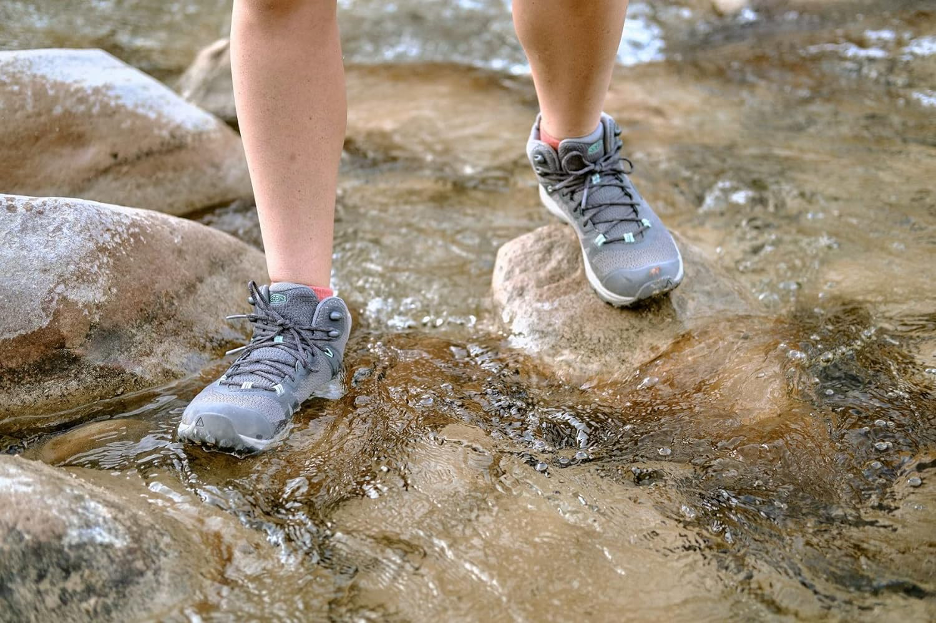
575	149
572	47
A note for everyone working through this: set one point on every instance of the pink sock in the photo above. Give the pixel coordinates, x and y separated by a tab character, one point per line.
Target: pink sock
322	292
549	139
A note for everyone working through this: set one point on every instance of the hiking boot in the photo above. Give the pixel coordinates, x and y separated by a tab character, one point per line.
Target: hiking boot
295	353
628	253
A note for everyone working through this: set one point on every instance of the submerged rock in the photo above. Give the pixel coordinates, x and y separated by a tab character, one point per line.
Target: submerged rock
84	545
80	123
73	551
550	310
102	299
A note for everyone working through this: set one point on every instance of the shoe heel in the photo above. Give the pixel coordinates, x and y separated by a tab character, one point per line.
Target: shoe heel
333	390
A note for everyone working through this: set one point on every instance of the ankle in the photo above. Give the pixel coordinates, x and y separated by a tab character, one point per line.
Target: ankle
553	140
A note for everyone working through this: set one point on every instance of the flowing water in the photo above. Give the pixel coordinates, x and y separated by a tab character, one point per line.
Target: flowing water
458	480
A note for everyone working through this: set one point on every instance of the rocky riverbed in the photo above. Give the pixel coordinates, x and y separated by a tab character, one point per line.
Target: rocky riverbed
761	444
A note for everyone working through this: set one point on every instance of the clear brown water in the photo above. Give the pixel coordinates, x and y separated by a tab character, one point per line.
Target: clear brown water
458	481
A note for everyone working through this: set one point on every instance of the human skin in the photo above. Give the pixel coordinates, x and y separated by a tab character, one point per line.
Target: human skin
289	90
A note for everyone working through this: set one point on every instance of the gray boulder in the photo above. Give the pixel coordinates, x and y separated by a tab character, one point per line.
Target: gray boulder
73	551
101	299
80	123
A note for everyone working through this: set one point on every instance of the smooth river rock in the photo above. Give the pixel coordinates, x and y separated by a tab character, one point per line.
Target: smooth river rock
207	82
550	311
102	299
73	551
87	545
80	123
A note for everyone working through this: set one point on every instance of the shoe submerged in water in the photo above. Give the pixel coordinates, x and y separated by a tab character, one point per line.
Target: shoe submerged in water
628	253
295	353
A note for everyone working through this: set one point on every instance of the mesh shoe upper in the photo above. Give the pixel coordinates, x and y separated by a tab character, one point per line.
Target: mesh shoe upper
621	235
297	347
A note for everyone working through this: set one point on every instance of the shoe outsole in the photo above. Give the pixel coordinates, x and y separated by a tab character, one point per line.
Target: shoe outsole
647	291
218	432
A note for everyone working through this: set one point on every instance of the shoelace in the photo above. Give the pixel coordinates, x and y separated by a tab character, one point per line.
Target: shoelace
271	329
607	171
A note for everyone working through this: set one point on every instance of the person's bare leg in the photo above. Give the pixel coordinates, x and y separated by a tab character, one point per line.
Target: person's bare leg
289	91
572	47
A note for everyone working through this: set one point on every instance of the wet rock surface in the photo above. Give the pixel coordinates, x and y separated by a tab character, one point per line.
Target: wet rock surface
81	551
774	456
549	309
60	112
86	545
102	300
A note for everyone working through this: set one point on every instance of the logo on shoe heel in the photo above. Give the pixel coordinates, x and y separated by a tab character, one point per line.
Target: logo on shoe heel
277	298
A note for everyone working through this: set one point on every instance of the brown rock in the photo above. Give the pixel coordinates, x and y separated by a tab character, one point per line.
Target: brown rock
79	123
100	297
550	310
86	545
207	82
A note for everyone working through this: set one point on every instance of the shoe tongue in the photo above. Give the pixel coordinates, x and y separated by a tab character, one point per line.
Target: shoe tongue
293	301
590	148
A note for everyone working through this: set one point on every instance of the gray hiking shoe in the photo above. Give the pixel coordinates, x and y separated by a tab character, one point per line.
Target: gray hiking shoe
295	353
629	255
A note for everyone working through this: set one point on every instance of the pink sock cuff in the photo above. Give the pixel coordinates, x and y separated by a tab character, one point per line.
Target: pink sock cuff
549	139
322	292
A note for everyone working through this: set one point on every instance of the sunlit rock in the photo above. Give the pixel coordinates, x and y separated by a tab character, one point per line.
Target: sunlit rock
101	299
550	311
80	123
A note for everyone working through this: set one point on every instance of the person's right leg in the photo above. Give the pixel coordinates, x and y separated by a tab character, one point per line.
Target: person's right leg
289	91
290	94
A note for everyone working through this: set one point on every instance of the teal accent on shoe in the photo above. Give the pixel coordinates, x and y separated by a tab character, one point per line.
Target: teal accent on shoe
646	223
628	237
595	179
328	352
277	298
594	147
600	240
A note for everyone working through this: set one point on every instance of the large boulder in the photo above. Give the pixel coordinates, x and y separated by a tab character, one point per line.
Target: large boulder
71	551
100	299
87	545
550	310
707	330
80	123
